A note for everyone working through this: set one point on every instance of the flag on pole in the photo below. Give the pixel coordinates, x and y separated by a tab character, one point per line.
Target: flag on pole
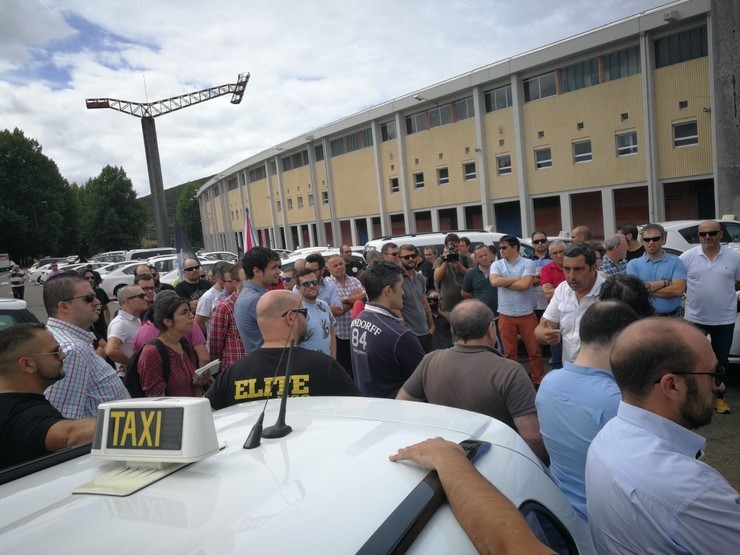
250	236
183	247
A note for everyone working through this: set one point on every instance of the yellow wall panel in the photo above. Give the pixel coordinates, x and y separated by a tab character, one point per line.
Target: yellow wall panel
353	177
260	209
498	126
390	167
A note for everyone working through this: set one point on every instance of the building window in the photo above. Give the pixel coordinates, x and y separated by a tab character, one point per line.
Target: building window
503	164
232	185
419	180
273	167
627	143
542	158
464	108
290	204
318	150
443	176
541	86
579	76
416	123
498	99
300	202
310	199
325	197
623	63
388	131
393	182
279	206
685	134
681	47
441	115
582	152
257	173
351	142
286	164
469	171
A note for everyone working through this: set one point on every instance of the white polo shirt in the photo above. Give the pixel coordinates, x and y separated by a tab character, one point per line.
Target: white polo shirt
710	286
124	326
564	309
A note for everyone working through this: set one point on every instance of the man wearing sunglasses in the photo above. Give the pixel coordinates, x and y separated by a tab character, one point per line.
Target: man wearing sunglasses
122	330
261	374
30	427
72	307
664	274
320	334
192	282
647	489
712	279
417	314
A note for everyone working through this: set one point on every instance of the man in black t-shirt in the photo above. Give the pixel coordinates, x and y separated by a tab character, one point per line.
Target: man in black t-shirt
280	319
192	282
30	427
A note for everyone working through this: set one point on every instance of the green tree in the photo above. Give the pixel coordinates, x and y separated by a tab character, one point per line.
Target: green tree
188	214
32	199
113	218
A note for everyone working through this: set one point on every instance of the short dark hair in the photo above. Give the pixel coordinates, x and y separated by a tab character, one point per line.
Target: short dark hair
574	250
221	268
318	258
603	321
258	257
452	237
14	337
165	308
379	276
629	229
638	361
656	227
537	232
470	319
386	246
630	290
409	247
511	240
304	272
59	288
465	240
142	277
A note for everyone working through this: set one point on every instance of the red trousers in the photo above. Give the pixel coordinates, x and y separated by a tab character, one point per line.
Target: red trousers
510	328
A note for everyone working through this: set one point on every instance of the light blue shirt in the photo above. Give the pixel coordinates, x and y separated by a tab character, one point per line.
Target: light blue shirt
666	267
245	315
648	493
510	302
319	323
573	404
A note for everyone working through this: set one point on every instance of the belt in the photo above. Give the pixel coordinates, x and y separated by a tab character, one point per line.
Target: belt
676	312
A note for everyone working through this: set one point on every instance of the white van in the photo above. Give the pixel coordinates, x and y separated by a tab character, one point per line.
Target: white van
433	239
141	254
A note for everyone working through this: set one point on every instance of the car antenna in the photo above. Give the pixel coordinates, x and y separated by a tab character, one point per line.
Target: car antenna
280	427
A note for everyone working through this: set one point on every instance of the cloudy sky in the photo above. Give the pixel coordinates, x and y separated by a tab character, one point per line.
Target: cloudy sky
311	62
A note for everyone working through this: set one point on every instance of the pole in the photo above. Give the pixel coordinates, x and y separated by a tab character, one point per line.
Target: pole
154	167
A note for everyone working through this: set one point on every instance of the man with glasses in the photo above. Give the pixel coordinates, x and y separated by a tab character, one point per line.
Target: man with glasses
261	374
352	268
192	282
474	376
449	271
222	288
390	252
647	489
350	291
328	291
320	332
30	427
151	270
72	307
224	342
122	330
541	258
262	269
712	279
415	312
664	274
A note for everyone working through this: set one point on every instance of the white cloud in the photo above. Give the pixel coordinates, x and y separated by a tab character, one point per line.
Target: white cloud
311	63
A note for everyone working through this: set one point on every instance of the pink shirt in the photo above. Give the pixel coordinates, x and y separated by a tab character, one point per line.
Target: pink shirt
149	331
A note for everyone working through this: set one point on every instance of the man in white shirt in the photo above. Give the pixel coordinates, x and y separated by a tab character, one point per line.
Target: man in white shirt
123	328
647	490
222	288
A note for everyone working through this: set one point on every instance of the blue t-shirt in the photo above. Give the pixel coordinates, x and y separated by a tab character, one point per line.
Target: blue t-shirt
666	267
245	315
319	322
510	302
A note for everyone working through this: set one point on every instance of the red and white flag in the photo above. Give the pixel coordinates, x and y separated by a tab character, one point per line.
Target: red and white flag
250	237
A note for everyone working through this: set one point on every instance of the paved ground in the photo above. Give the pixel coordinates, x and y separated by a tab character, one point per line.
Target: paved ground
723	435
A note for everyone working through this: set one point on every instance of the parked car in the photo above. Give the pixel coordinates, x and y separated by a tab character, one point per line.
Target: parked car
121	276
143	254
77	266
110	256
14	311
218	255
324	488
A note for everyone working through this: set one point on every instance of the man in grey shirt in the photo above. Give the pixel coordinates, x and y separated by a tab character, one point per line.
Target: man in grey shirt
416	312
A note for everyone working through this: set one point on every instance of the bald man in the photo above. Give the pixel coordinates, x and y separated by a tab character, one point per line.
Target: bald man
30	427
647	489
192	282
580	234
281	319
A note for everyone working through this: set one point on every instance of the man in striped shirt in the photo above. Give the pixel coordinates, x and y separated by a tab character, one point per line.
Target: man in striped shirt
350	291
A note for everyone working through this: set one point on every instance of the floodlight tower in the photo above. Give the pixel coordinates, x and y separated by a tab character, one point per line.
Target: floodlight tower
147	111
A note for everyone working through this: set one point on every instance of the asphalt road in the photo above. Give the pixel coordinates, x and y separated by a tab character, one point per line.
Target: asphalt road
723	435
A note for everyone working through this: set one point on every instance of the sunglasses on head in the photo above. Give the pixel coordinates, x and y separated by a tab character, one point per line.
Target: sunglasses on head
712	233
303	311
87	298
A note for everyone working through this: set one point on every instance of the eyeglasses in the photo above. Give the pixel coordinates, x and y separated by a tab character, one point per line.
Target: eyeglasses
141	296
408	257
719	372
652	239
58	353
709	233
312	283
303	311
539	241
503	247
87	298
284	279
393	254
191	269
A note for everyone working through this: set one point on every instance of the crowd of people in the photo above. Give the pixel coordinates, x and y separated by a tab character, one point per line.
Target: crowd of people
631	374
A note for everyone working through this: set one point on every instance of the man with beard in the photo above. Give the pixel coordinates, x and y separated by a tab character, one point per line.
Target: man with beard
415	312
262	268
647	489
257	376
30	427
320	323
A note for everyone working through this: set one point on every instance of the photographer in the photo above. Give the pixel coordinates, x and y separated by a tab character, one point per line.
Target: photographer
442	336
449	271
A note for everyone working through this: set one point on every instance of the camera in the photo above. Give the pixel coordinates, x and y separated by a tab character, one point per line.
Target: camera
452	255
